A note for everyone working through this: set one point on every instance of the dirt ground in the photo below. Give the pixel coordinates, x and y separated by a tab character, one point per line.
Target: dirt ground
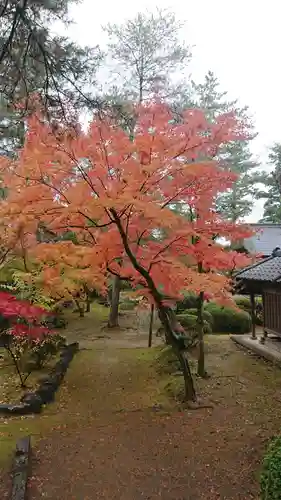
115	433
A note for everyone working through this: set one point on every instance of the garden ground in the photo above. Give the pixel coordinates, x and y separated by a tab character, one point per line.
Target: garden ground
116	432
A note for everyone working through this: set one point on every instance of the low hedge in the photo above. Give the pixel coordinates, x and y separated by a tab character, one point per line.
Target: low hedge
189	302
207	316
56	319
189	321
270	479
220	319
228	320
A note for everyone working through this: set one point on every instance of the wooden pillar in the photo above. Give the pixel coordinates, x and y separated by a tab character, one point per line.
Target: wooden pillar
265	322
253	315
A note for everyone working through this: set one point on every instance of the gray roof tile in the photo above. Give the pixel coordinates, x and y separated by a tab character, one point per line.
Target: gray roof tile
267	270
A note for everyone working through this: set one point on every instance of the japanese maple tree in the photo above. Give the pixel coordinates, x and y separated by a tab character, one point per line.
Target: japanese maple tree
117	192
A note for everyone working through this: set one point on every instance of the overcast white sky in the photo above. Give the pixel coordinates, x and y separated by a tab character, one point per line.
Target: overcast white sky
239	41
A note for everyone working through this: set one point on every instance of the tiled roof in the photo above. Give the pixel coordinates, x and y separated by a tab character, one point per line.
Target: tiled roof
267	270
267	237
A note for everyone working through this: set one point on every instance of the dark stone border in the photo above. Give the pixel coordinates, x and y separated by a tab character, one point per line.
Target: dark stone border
21	469
32	402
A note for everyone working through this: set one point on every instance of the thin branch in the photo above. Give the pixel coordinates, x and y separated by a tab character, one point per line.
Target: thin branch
12	31
143	272
164	249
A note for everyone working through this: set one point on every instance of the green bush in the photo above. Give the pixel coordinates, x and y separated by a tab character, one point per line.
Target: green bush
270	480
188	321
244	303
228	320
189	302
207	316
56	319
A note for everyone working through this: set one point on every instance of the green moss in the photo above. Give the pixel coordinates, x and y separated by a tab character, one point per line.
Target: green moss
12	428
98	312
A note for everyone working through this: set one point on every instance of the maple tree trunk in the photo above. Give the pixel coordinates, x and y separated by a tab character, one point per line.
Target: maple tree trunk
88	304
80	309
163	312
190	394
114	303
88	299
201	349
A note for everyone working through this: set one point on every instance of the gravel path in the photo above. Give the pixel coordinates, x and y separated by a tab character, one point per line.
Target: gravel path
122	448
113	439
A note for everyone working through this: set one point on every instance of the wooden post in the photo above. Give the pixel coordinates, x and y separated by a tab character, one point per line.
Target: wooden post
265	333
253	315
150	326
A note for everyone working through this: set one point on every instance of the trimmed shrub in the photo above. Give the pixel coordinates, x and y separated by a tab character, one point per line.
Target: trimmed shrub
188	321
42	351
270	479
228	320
207	316
56	319
189	302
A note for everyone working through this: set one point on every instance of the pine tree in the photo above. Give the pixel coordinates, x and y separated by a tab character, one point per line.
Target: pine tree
32	59
272	196
145	54
237	202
